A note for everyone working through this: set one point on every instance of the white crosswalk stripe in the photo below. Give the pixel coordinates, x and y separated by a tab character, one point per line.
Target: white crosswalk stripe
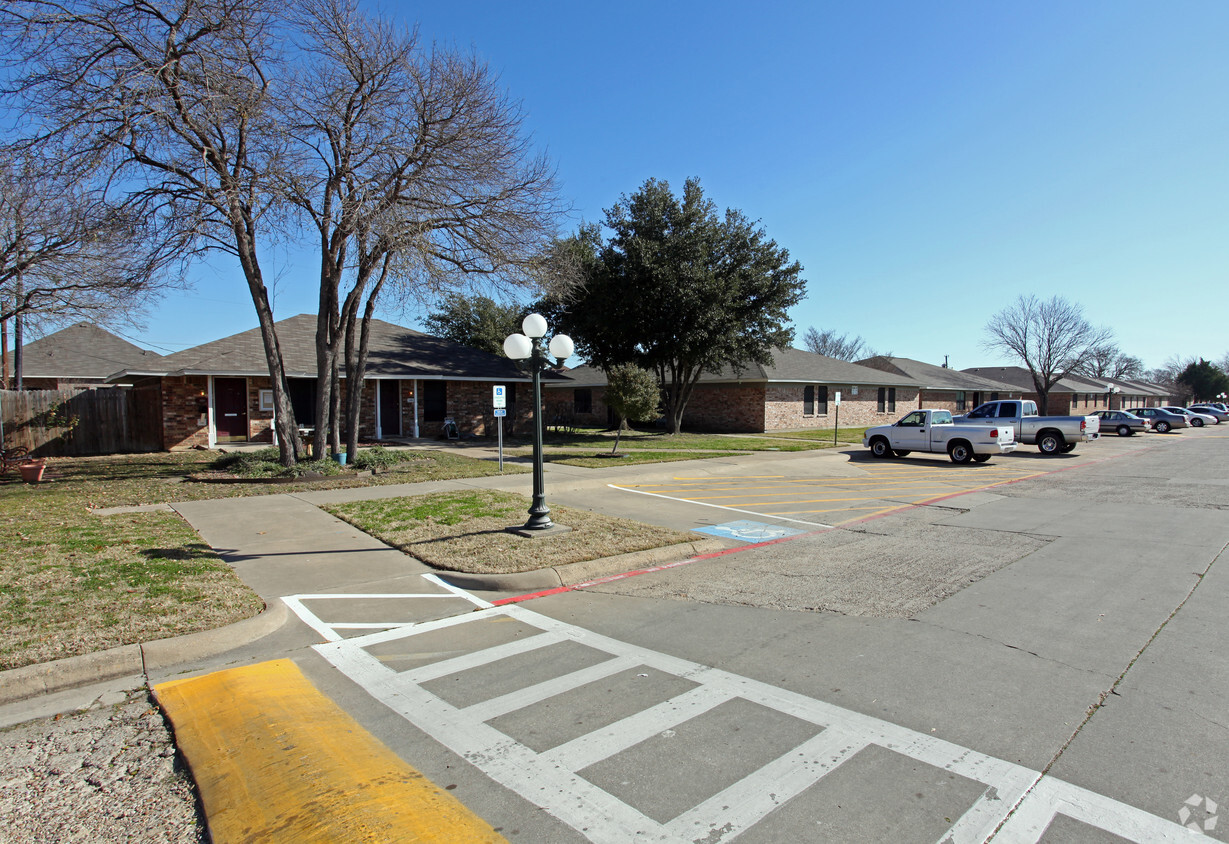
1021	800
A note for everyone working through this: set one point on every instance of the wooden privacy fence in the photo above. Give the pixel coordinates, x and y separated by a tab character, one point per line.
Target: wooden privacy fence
108	420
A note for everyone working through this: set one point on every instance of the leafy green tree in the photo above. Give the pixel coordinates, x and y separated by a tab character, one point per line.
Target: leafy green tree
1205	380
632	393
680	290
476	321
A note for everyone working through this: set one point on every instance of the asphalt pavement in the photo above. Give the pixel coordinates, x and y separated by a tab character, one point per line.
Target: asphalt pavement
1033	657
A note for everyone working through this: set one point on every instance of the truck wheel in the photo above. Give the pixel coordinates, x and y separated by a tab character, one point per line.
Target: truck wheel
1068	448
980	458
901	453
960	452
1125	431
880	447
1050	442
1162	427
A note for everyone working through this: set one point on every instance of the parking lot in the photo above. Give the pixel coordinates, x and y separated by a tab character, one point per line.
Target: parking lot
814	491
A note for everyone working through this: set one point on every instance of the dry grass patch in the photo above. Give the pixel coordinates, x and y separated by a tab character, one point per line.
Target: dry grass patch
465	531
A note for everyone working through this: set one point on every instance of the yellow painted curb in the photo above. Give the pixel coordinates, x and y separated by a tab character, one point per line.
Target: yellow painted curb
277	761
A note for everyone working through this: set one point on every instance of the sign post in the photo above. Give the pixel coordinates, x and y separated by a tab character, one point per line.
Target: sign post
499	401
836	401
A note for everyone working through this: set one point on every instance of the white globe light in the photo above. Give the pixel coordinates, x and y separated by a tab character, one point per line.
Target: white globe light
518	346
534	326
561	346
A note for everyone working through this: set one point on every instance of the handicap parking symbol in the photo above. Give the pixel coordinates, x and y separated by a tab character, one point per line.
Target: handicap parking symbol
748	531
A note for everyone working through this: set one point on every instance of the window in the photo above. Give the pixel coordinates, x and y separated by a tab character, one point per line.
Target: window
891	399
821	400
582	401
434	400
960	400
303	400
942	417
808	400
882	399
916	419
994	397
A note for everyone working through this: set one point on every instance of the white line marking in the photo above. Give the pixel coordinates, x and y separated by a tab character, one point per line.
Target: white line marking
477	659
1053	797
602	817
311	619
748	801
434	578
550	779
720	507
530	695
589	749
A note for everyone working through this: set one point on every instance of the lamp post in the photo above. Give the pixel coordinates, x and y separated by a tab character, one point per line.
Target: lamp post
528	347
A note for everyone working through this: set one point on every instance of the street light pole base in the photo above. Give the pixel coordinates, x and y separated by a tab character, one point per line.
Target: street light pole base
538	533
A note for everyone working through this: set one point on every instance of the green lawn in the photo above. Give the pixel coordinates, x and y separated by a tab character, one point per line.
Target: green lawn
72	582
820	435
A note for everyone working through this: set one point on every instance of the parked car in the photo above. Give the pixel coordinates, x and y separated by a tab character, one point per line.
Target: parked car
1125	424
1210	410
1162	420
1196	420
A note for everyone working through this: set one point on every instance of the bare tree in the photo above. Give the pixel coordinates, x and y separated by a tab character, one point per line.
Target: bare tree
174	101
1051	338
413	169
67	254
839	346
1109	361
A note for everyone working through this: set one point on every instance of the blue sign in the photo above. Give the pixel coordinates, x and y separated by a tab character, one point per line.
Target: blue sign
501	411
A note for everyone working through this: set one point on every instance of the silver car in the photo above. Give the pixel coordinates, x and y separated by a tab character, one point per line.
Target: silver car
1162	420
1122	422
1210	410
1196	420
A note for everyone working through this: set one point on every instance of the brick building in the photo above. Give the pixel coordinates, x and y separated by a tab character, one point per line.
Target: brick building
220	392
798	390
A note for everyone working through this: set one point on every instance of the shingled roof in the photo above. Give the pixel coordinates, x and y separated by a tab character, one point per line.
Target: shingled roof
933	377
82	352
1021	379
788	366
394	352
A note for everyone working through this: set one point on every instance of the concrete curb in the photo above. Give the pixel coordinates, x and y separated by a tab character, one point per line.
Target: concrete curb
60	674
573	573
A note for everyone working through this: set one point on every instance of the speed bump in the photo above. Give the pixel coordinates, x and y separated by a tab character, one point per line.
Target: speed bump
277	761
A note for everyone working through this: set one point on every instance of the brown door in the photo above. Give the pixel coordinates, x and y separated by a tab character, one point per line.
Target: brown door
390	408
230	403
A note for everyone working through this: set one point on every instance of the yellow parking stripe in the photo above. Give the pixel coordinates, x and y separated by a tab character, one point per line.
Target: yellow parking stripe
277	761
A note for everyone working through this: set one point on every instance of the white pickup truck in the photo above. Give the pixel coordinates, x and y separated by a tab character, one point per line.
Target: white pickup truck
934	431
1051	434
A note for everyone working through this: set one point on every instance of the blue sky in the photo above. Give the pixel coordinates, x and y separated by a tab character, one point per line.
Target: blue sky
926	162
